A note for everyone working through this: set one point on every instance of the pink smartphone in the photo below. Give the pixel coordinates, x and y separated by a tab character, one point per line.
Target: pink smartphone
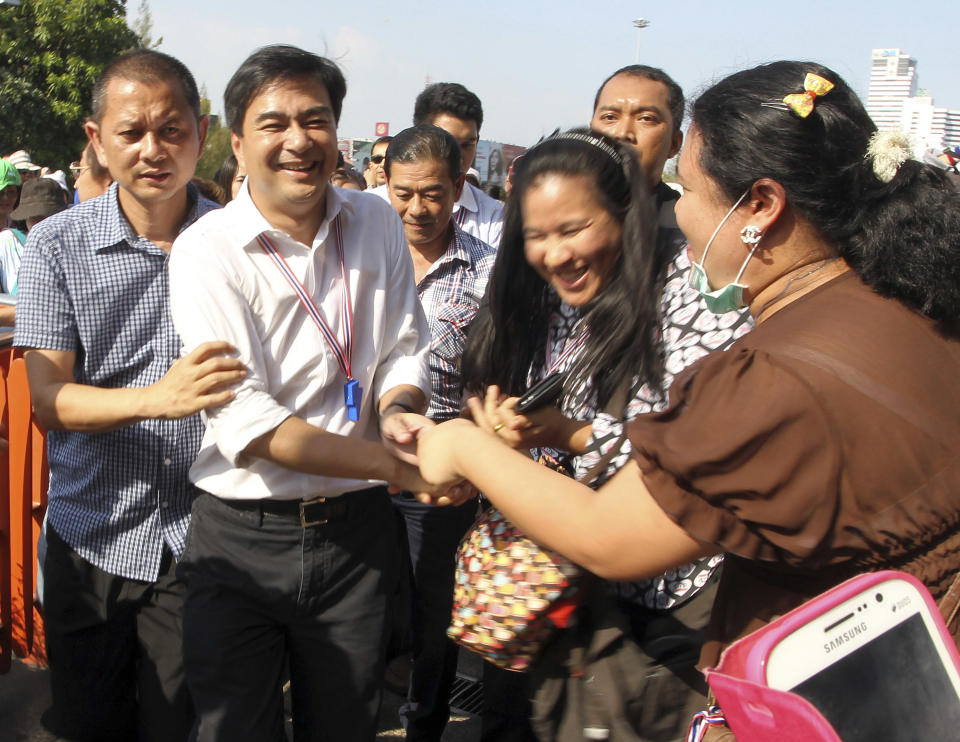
872	656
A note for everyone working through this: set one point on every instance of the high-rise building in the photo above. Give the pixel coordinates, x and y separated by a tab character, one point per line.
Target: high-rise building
894	102
893	79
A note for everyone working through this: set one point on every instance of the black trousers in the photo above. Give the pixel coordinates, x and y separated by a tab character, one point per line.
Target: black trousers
262	589
114	647
432	535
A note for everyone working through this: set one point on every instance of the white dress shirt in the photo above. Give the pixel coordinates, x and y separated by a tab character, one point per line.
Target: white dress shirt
479	215
223	286
475	213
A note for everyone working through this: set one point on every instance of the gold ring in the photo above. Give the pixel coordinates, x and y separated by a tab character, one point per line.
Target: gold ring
497	427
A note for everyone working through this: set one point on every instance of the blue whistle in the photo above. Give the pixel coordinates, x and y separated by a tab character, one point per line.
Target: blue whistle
352	396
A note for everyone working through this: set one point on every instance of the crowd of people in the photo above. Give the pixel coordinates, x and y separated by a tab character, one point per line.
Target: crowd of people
757	397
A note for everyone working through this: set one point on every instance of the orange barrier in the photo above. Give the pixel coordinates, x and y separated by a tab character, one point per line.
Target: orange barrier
23	501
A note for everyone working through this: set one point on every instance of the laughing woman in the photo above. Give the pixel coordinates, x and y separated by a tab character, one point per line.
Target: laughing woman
578	249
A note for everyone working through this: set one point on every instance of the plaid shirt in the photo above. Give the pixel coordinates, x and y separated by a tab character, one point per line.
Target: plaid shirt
89	285
450	293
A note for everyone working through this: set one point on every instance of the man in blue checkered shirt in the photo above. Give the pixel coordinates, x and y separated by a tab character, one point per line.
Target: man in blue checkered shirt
451	268
108	383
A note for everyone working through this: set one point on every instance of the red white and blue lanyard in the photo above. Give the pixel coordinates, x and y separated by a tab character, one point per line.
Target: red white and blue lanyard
701	723
352	391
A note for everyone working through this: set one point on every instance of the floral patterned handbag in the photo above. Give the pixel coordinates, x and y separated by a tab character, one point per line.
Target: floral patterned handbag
511	595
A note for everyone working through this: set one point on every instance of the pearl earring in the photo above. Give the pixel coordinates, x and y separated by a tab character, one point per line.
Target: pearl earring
751	234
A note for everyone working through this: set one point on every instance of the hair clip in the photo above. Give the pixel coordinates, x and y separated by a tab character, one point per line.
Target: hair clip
814	86
779	105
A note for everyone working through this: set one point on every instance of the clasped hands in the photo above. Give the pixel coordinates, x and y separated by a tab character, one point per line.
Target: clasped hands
434	452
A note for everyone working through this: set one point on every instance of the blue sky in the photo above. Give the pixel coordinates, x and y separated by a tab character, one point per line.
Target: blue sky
536	64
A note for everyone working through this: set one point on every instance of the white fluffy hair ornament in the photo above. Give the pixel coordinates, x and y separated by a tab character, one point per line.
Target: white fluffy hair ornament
888	150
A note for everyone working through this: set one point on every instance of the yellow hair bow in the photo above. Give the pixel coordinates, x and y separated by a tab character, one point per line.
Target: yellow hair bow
813	87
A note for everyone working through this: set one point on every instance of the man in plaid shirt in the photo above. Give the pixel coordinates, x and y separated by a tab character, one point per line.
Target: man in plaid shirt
451	267
108	382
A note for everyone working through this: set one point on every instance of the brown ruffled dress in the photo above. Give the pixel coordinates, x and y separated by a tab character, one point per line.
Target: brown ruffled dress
823	444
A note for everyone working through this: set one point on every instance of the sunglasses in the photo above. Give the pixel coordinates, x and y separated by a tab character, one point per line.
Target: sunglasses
76	168
377	159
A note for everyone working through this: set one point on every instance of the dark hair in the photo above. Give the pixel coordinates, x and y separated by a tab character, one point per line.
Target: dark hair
423	142
145	65
211	190
279	62
901	237
499	168
496	191
675	101
346	173
623	320
450	98
226	174
381	140
97	171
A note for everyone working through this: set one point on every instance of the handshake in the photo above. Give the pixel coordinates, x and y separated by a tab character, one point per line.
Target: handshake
433	461
407	436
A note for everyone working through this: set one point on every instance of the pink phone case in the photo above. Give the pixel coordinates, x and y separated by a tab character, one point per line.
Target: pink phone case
757	713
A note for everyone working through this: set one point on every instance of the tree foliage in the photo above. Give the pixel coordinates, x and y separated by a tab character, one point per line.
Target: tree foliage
143	27
51	52
215	151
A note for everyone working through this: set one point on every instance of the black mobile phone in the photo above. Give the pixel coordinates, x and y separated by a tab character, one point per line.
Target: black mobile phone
541	394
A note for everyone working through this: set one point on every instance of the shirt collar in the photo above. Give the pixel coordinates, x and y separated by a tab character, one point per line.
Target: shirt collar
248	223
457	252
467	199
116	229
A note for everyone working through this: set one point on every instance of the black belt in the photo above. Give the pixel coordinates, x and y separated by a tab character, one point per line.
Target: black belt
317	511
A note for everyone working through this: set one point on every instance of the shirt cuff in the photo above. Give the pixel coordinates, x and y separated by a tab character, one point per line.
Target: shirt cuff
249	416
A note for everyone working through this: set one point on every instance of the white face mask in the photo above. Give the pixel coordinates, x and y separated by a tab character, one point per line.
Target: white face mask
729	297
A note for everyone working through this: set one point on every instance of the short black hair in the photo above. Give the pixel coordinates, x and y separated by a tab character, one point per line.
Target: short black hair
450	98
675	101
145	65
381	140
279	62
422	142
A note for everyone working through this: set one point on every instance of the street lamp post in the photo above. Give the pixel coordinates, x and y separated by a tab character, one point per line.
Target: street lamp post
640	24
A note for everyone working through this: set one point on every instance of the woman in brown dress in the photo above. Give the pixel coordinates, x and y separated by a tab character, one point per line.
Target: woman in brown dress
822	444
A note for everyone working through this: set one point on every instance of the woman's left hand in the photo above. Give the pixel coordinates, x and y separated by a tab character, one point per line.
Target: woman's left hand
497	414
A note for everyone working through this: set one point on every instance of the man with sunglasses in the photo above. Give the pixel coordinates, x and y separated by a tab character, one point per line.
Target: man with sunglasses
374	173
90	178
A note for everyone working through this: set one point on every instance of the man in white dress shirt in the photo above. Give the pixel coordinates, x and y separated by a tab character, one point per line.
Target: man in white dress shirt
292	551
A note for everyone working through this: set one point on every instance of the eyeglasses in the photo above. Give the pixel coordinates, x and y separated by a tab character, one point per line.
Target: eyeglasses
376	159
76	168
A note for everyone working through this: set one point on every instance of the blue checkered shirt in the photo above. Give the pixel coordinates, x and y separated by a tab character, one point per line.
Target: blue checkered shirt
89	285
450	293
